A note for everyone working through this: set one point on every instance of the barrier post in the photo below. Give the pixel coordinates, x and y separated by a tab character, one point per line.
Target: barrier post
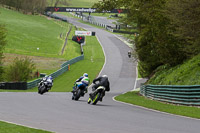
68	66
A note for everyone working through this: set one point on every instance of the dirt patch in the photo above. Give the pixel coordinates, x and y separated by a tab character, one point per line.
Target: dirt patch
40	62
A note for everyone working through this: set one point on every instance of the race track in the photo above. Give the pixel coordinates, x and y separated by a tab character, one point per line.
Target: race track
56	112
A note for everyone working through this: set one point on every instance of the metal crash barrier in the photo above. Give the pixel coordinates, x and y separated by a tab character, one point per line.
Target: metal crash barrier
176	94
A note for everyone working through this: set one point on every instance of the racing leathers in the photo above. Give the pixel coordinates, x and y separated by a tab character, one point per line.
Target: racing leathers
102	81
82	82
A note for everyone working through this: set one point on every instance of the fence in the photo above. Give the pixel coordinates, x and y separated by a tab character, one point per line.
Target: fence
176	94
72	61
64	68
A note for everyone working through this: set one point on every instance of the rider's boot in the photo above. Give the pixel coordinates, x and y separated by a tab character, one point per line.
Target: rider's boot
91	96
101	98
89	100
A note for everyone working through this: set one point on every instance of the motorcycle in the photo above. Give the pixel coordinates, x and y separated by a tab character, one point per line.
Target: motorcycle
45	85
97	95
78	92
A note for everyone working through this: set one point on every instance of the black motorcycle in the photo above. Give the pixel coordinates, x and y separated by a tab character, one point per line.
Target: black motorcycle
78	92
45	85
97	95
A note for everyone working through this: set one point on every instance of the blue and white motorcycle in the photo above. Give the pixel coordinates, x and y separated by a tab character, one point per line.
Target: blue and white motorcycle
45	84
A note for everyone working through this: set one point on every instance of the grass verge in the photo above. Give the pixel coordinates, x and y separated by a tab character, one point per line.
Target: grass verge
187	73
12	128
135	99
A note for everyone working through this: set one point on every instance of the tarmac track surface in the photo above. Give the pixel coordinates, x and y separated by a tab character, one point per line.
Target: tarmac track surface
56	112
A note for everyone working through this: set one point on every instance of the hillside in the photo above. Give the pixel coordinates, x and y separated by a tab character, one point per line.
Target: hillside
37	37
26	33
44	33
186	74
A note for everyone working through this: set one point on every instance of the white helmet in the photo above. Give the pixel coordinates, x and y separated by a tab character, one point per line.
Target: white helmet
85	75
104	76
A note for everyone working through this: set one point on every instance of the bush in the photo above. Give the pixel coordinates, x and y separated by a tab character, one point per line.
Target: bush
20	70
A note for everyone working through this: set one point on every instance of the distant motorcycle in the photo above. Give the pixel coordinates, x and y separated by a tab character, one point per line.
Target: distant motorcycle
45	84
97	95
78	92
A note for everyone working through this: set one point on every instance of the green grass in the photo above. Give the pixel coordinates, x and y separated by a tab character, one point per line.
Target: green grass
186	74
135	99
92	64
26	33
12	128
72	48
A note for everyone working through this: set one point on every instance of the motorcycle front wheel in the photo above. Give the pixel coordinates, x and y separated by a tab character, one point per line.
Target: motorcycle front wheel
41	89
78	94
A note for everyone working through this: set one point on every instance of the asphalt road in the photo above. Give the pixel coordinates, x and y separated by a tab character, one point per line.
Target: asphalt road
58	113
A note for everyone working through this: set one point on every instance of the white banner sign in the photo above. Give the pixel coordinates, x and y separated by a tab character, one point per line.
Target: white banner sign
83	33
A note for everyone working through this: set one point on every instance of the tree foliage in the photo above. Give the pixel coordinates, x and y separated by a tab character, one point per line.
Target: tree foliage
20	70
27	6
33	6
55	3
2	45
184	16
168	30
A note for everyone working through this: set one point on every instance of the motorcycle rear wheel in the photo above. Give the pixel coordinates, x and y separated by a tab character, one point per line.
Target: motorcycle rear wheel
96	99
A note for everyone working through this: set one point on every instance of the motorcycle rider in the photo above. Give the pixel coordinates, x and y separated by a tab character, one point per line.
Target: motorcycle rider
46	82
83	81
102	81
47	79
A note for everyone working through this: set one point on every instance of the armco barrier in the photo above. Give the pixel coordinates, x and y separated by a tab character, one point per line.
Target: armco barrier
72	61
176	94
64	68
33	84
59	72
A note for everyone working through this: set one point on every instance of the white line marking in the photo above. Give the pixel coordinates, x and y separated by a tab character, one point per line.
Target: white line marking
136	76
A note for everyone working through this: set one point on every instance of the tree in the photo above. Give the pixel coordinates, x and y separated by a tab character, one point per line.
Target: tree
2	46
27	6
56	3
156	44
184	16
20	70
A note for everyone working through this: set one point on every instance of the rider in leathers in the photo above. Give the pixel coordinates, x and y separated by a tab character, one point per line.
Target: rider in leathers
83	81
102	81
